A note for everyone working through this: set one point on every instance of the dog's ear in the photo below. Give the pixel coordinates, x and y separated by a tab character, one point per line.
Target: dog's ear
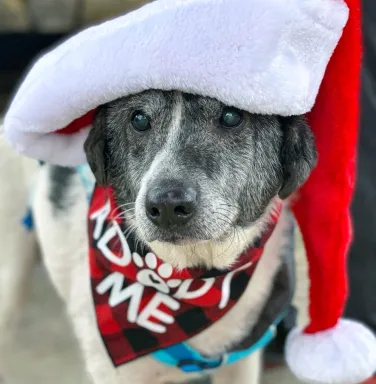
95	147
298	155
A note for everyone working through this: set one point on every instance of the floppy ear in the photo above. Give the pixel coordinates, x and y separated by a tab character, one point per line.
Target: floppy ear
95	147
298	154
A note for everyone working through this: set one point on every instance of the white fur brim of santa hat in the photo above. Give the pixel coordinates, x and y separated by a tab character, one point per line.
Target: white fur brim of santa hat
285	57
263	56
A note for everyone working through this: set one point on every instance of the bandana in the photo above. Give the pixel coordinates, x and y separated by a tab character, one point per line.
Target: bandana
142	304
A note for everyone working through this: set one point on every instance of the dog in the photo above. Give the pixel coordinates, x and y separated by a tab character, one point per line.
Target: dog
197	182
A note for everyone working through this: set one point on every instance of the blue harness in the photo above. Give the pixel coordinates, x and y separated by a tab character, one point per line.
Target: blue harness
180	355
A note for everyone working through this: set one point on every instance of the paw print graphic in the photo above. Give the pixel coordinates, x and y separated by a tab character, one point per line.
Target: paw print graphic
153	276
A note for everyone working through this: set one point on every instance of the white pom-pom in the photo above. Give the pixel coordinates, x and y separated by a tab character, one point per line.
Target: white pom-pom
345	354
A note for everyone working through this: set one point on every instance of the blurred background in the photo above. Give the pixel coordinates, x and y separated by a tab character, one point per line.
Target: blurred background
43	349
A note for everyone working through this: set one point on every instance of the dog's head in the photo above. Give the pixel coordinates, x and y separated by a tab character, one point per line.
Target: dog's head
187	169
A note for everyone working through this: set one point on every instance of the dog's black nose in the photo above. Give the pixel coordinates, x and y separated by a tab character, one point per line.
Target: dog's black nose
170	204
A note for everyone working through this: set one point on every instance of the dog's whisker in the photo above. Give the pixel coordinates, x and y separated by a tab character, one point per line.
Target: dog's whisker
225	219
122	214
129	231
120	207
229	206
126	210
230	245
226	211
126	215
126	234
137	242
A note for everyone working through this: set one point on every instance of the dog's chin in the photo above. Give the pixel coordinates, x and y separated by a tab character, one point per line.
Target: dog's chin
184	239
184	236
176	239
179	240
193	233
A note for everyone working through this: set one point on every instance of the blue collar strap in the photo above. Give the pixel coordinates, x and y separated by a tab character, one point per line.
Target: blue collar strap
191	361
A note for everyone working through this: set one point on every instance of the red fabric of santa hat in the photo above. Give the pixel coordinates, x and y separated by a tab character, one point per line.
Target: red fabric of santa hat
329	348
264	56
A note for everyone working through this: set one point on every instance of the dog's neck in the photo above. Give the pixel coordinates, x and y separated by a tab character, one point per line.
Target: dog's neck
215	254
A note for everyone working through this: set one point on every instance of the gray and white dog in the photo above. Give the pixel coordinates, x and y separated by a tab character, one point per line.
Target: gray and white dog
196	179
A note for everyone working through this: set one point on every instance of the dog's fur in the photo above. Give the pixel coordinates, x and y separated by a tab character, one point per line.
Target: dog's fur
238	176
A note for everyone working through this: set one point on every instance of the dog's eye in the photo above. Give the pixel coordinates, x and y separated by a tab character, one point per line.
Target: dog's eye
140	121
231	118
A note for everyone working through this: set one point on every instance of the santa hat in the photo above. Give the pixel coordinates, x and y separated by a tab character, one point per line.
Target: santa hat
285	57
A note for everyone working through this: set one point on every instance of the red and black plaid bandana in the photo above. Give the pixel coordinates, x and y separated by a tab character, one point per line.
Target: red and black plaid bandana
142	304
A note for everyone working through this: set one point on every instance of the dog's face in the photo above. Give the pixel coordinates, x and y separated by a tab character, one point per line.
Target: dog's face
188	169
